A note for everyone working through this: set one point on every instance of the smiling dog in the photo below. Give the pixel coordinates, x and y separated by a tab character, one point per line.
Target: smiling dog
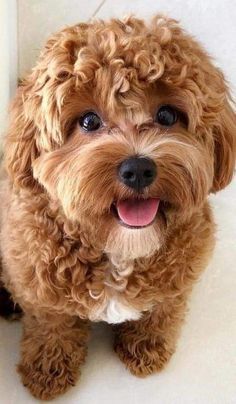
116	140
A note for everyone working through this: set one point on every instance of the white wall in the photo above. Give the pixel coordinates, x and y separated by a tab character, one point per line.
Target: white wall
8	56
213	22
39	18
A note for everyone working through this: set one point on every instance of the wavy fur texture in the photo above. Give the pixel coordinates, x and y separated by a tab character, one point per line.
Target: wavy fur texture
66	259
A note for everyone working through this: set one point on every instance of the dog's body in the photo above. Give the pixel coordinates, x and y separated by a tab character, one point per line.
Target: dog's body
83	237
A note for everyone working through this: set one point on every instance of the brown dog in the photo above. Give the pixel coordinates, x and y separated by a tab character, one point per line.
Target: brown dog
116	140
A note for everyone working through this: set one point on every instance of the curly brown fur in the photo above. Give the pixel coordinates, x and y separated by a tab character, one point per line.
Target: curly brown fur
66	257
52	352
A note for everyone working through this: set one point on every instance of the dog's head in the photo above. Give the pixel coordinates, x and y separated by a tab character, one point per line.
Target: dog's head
128	127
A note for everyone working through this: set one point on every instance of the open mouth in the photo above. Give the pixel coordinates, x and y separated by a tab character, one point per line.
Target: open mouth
136	213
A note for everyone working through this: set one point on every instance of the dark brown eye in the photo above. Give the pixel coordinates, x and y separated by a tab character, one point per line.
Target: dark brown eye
90	121
166	115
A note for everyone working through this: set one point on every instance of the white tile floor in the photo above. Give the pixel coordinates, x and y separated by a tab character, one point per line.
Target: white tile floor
203	369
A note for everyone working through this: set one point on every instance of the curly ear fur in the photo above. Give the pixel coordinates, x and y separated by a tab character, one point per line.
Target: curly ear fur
224	147
35	113
20	145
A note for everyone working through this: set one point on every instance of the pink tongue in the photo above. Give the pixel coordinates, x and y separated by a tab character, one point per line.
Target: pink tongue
138	212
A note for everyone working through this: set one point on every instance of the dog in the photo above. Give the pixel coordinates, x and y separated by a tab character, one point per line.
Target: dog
116	139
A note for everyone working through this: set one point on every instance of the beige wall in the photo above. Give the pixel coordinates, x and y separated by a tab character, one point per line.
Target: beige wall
39	18
8	57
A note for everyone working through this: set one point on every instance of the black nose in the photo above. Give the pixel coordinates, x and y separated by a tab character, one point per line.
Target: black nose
137	172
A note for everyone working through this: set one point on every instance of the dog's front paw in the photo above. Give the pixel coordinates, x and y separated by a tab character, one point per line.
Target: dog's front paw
48	377
53	348
143	358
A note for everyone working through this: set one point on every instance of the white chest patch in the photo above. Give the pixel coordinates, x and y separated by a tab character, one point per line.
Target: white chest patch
114	312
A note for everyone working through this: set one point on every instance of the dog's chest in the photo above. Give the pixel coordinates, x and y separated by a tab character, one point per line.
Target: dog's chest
114	311
114	308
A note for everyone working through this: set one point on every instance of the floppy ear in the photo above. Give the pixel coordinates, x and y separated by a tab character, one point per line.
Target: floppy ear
224	147
36	110
20	144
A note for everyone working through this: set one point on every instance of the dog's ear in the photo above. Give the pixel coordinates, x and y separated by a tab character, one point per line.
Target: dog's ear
35	113
224	136
20	144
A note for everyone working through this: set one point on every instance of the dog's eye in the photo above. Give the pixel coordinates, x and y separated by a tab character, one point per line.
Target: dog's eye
90	121
166	115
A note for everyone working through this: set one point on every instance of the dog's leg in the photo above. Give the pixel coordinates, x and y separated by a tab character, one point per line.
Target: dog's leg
146	345
53	348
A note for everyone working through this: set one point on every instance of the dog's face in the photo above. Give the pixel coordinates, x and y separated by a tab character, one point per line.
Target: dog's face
127	127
